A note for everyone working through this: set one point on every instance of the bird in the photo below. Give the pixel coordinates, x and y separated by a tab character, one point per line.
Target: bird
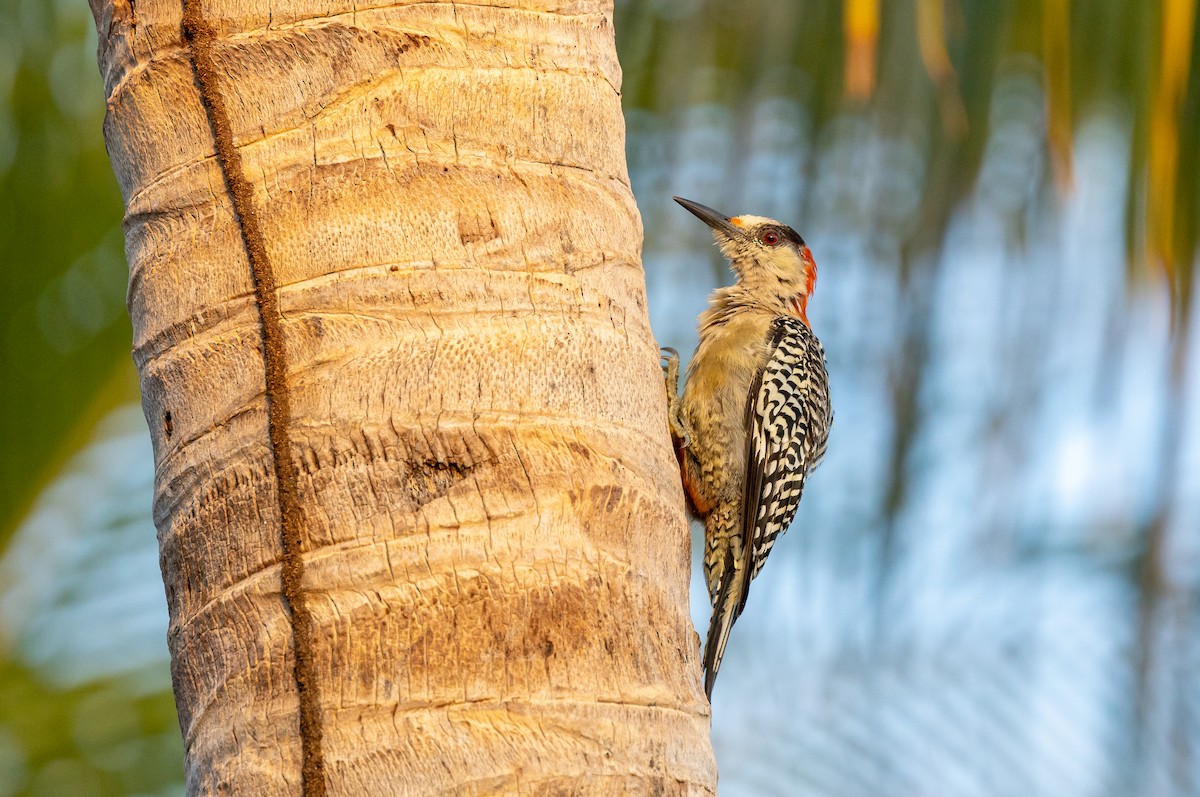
755	413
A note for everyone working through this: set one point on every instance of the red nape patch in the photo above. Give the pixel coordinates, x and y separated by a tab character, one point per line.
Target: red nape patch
800	301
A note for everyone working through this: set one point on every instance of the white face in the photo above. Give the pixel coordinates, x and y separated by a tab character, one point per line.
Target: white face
768	255
771	261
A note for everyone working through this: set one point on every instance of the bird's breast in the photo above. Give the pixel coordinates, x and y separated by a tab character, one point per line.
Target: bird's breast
715	396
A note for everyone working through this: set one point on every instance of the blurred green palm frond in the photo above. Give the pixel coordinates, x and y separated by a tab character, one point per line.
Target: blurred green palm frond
64	341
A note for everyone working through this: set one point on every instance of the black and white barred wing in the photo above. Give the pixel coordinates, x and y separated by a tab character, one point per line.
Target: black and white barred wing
787	423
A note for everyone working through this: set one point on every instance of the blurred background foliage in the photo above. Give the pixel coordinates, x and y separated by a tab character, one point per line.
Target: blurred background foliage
992	585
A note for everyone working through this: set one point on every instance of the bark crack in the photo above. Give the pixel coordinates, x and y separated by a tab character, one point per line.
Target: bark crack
200	38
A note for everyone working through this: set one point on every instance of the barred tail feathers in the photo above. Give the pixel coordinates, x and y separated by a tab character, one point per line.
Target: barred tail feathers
727	606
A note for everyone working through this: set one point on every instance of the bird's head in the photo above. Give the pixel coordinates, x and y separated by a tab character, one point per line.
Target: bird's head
769	258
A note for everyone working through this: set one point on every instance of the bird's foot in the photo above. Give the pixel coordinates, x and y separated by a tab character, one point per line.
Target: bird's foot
681	434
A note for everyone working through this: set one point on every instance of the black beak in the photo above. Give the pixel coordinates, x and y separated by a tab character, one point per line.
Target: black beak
712	218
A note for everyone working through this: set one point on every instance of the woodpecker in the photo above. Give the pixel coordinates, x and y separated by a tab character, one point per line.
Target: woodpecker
755	414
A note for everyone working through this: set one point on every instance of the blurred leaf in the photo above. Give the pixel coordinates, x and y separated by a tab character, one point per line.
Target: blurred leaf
1056	52
931	35
62	287
862	43
1163	159
117	388
101	739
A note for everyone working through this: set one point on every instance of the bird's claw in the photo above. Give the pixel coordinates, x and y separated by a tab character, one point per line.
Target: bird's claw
680	432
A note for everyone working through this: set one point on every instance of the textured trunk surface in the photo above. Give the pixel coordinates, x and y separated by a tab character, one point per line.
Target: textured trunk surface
461	413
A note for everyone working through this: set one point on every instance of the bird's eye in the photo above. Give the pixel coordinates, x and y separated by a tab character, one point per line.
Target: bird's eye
769	237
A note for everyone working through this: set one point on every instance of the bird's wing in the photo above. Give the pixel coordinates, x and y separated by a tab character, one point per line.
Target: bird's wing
787	420
780	432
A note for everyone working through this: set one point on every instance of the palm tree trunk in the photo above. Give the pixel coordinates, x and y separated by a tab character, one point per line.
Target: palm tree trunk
420	525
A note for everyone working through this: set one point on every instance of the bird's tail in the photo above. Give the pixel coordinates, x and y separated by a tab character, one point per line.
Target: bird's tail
727	605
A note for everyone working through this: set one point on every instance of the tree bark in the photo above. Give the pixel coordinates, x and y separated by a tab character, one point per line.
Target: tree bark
420	524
